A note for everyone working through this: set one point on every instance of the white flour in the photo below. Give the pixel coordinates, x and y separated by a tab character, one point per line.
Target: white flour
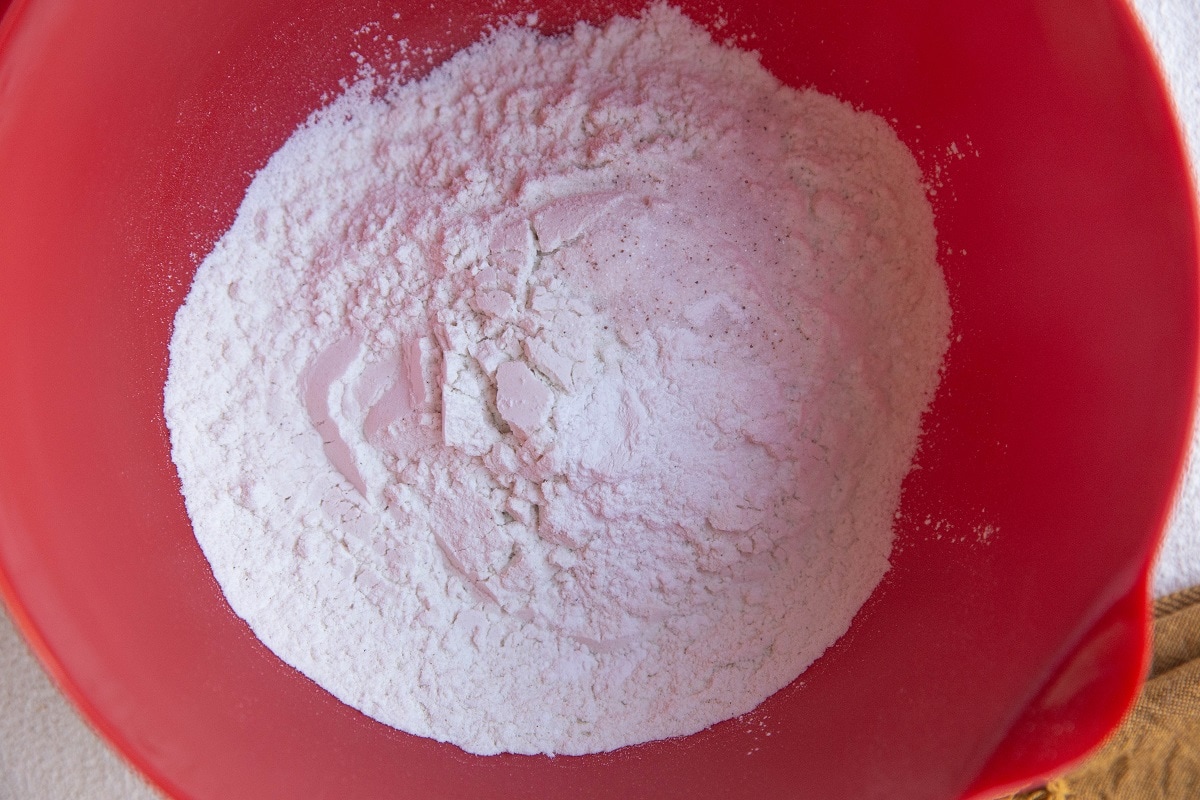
561	400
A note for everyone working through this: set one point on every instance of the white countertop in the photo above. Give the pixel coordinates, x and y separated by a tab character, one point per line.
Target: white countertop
48	753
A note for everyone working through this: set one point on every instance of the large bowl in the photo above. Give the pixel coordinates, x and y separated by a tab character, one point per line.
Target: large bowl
1010	634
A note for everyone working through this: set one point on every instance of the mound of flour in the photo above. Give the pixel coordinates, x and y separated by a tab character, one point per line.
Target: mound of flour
561	400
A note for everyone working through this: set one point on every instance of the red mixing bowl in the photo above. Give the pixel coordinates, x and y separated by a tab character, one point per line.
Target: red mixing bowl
1010	634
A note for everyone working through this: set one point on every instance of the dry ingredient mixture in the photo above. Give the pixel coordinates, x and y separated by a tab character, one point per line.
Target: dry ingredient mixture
560	400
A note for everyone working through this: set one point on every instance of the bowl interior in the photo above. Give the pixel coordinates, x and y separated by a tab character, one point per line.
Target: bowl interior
1009	635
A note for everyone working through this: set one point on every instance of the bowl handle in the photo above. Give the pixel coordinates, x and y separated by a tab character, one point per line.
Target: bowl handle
1085	698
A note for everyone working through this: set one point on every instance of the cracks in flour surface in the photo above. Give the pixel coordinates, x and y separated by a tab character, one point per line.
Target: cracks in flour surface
507	408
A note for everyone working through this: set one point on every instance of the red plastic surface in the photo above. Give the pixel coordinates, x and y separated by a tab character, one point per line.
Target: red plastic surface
129	130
